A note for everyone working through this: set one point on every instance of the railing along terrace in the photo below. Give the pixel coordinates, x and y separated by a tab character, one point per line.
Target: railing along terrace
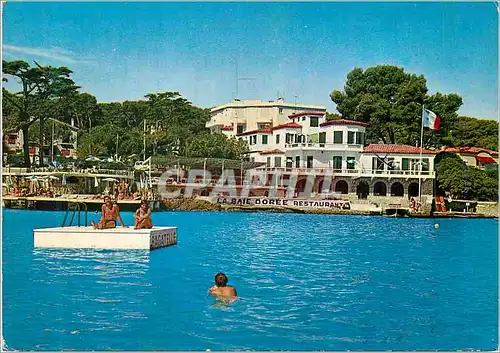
346	171
321	145
72	170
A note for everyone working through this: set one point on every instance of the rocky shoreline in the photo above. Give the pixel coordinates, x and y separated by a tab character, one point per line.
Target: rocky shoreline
196	204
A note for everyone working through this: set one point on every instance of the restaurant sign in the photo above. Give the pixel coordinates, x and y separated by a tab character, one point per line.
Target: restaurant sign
264	201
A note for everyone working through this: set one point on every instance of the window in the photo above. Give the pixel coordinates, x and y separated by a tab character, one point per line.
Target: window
277	139
277	162
425	164
322	139
251	140
314	121
405	164
350	163
280	110
254	139
261	126
289	162
377	164
268	163
264	139
297	162
303	118
391	165
337	137
337	162
350	137
239	129
309	161
360	138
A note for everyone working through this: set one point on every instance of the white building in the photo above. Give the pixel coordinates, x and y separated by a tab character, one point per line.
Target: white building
241	116
309	144
299	139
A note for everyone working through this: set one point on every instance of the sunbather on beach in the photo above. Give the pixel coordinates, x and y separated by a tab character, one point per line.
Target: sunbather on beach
110	213
221	289
143	217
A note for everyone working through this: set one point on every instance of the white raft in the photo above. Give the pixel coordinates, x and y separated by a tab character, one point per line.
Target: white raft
115	238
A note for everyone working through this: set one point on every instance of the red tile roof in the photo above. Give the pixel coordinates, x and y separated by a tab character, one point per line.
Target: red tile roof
266	130
288	125
397	149
343	122
228	128
469	150
306	113
269	130
275	151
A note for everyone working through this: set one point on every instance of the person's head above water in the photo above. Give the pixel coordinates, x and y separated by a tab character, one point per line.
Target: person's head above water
221	280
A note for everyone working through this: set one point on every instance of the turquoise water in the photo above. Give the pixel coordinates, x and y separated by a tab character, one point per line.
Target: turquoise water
307	282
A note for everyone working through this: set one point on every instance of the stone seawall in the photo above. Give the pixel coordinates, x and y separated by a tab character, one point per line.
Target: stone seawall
489	209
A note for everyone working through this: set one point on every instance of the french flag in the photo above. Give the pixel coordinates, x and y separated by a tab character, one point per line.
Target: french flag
431	119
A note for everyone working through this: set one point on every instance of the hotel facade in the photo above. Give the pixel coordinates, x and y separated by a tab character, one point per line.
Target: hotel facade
330	154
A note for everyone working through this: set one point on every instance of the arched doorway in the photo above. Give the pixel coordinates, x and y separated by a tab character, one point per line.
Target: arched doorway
362	190
325	184
342	187
413	190
397	189
379	189
300	186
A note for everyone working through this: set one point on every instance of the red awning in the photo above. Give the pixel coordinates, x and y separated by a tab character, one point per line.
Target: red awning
485	160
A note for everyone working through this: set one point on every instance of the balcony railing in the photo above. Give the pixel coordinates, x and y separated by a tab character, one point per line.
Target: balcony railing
353	172
323	145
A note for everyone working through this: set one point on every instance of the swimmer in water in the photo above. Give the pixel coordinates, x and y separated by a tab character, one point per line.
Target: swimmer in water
221	289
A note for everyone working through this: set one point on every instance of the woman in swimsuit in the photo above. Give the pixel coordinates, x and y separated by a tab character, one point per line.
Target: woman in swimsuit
143	217
110	213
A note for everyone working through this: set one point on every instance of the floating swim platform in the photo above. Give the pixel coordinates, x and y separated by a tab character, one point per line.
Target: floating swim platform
115	238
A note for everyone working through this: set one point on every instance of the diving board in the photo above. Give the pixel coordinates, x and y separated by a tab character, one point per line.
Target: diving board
115	238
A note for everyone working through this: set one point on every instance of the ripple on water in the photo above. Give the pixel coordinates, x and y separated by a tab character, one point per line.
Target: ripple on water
307	282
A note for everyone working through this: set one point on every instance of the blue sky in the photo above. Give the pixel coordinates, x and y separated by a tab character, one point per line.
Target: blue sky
121	51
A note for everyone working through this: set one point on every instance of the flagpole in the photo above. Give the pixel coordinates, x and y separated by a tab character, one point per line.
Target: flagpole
420	165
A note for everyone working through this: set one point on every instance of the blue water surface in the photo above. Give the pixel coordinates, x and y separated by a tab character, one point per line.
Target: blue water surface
307	282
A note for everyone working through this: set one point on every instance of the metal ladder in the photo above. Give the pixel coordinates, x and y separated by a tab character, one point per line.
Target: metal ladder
75	207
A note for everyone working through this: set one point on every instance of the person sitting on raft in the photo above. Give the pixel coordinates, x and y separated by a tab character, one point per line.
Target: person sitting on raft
221	289
143	217
110	213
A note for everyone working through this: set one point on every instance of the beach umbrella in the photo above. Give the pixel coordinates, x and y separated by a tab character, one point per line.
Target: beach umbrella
96	182
52	177
64	179
92	159
110	179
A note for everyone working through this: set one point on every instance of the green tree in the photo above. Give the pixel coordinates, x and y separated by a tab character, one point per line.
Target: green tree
474	132
390	100
215	146
37	85
464	181
89	148
333	116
